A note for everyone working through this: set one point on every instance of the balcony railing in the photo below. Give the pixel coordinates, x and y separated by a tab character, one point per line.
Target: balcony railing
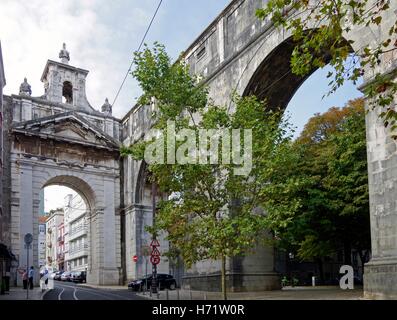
79	248
77	229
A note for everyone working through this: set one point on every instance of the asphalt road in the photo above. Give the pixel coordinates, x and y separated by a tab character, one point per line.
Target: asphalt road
73	291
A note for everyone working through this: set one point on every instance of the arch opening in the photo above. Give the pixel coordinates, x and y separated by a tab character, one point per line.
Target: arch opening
301	97
67	92
64	238
274	80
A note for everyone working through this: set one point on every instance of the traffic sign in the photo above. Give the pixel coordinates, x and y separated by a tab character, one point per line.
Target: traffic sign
155	252
155	243
155	259
135	258
28	238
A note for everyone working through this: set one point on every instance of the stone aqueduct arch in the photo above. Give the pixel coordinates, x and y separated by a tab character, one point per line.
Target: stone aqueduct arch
227	54
238	52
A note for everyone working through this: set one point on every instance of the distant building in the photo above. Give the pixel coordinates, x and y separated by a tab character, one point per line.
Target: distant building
60	247
2	85
42	241
76	240
54	221
5	253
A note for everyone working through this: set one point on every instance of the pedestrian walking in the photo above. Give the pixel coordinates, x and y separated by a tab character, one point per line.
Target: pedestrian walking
25	279
31	275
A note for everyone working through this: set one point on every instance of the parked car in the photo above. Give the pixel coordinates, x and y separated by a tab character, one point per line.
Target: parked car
79	276
164	281
58	275
66	276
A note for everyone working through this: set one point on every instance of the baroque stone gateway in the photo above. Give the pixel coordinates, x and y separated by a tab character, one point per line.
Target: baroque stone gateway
59	138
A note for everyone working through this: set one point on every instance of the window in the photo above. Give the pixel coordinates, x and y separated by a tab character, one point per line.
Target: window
67	92
200	53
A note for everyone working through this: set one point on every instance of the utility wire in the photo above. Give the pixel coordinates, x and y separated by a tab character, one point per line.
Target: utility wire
139	48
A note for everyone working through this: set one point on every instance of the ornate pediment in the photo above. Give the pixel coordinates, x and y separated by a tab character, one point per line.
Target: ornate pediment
69	127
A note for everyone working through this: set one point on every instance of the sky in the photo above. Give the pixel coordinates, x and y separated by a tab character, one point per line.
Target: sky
54	197
101	36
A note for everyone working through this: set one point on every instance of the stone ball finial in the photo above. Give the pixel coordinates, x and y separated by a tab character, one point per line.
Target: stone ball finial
25	88
64	55
107	107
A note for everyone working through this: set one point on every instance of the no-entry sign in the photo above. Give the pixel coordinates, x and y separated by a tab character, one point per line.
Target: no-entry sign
155	259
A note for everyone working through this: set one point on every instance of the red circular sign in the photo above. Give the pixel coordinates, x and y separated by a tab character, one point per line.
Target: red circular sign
135	258
155	259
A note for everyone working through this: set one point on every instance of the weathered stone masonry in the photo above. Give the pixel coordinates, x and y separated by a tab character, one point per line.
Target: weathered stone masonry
57	138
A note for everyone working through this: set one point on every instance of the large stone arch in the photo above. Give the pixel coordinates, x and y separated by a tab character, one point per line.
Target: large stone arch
138	215
97	189
230	55
236	48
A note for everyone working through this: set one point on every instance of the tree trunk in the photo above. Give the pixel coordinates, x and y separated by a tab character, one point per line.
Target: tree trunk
223	271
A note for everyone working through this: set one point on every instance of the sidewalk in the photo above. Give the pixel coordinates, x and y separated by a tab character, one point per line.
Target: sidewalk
18	293
288	293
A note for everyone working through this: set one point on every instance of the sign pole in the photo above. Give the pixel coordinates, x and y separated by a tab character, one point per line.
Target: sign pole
28	240
154	266
145	274
27	272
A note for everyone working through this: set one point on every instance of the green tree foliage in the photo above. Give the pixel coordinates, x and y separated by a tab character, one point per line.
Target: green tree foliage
210	212
320	29
328	184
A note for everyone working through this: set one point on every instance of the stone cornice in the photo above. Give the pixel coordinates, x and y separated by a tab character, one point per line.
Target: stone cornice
71	116
76	167
45	102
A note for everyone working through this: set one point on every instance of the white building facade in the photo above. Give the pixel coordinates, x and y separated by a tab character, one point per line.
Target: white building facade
54	221
42	243
76	234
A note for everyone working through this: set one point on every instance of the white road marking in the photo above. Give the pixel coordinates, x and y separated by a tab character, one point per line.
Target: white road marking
59	296
95	292
74	294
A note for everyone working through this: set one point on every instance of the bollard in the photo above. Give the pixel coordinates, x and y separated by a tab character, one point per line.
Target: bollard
205	295
313	281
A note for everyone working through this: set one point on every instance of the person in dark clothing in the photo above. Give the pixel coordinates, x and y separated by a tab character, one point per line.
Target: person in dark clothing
31	275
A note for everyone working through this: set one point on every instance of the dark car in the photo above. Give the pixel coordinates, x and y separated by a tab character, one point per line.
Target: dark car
164	281
79	276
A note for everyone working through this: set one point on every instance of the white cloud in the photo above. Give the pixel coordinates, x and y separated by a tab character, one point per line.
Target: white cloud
54	197
99	38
